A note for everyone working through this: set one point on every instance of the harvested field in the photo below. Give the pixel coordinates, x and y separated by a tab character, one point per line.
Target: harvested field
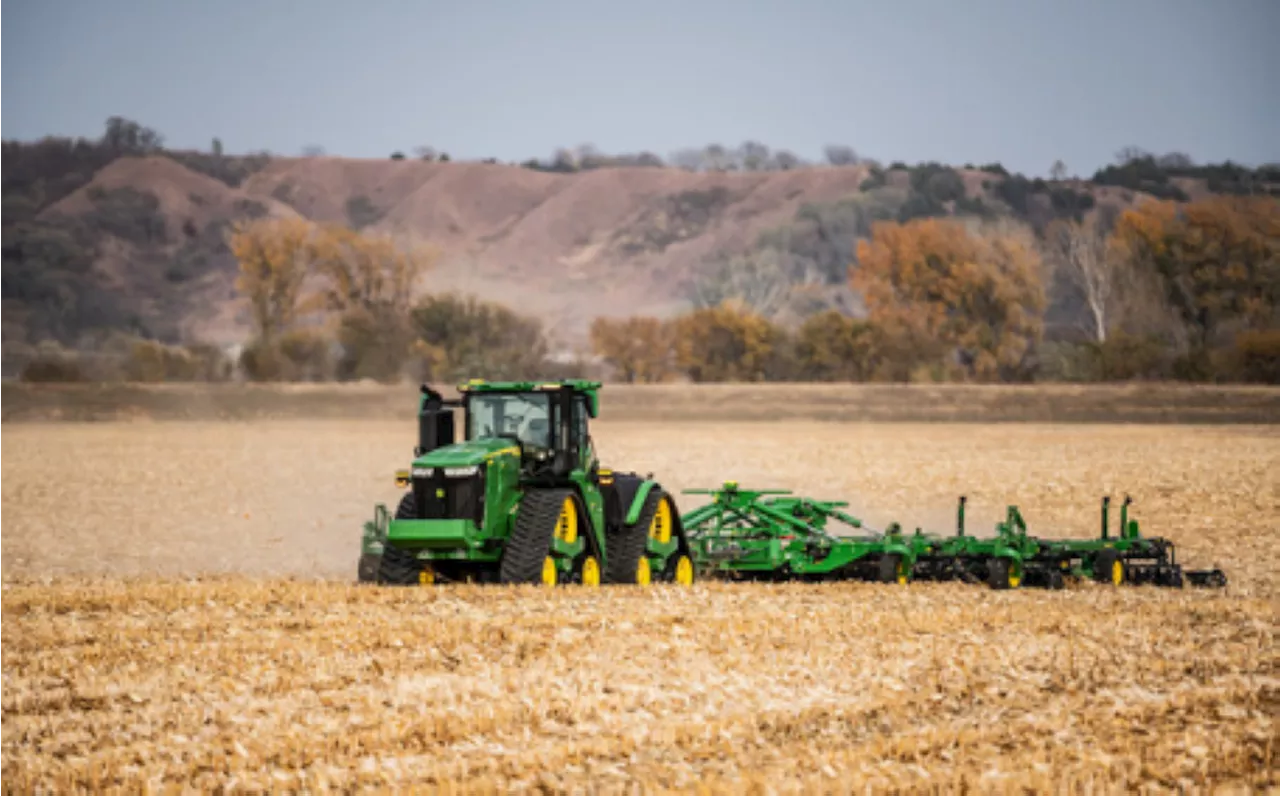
178	612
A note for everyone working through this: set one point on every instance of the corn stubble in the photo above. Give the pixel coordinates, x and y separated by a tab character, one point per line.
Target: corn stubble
246	682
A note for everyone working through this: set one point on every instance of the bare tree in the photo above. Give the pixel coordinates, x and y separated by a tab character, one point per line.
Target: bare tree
687	159
1058	172
425	152
588	156
785	160
1175	160
715	157
841	155
1130	154
763	279
313	151
754	156
1079	248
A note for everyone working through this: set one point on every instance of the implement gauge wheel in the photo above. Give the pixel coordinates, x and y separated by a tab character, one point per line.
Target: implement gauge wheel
894	569
1003	573
544	514
1109	568
401	567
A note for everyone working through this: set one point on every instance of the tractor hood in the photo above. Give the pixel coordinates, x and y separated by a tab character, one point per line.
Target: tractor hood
463	454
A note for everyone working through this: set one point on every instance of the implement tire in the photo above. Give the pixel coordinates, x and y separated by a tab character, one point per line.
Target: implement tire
528	549
1109	568
400	567
893	569
627	562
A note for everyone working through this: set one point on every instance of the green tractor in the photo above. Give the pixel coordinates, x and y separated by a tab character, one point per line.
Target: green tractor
521	498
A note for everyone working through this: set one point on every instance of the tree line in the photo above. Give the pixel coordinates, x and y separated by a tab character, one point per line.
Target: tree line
1028	280
1169	291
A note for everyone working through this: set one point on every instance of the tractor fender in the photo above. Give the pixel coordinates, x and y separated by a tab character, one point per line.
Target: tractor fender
637	502
592	532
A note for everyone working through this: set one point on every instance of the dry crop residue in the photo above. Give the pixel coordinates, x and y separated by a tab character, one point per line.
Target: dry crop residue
280	684
246	682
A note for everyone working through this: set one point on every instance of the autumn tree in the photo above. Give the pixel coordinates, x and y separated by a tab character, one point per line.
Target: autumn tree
638	348
728	342
831	346
367	282
362	270
972	294
274	257
1218	259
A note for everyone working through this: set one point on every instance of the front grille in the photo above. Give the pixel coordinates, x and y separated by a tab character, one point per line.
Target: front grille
439	497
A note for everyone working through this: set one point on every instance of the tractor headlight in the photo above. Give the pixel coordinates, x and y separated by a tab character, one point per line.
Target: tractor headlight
422	472
460	472
402	478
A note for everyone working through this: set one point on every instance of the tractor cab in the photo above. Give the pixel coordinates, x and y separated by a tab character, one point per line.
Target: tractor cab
544	423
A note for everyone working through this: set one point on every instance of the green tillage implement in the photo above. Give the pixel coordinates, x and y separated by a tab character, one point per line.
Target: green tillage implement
751	534
772	535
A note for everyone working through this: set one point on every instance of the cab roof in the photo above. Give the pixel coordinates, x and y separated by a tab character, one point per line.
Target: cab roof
588	388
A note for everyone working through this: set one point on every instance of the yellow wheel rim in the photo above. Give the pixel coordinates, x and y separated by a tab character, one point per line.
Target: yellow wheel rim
426	576
902	573
1015	580
567	524
548	571
1117	572
591	572
684	571
660	525
642	572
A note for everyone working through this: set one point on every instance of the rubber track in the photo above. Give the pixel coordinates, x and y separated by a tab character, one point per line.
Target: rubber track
628	543
398	566
530	541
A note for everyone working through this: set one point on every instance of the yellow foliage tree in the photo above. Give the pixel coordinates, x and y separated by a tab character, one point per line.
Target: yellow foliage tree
831	346
727	342
639	348
367	271
274	256
938	289
1218	259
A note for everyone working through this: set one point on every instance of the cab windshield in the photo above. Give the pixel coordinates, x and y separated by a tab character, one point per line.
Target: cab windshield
524	415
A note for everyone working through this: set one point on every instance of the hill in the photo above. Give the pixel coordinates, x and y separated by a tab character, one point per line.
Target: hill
122	234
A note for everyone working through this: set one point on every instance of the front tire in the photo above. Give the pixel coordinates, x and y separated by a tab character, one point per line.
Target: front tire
400	567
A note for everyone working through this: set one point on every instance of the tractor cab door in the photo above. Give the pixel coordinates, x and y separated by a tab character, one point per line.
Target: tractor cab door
586	447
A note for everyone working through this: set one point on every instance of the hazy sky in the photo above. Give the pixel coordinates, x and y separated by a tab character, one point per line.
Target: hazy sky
1019	81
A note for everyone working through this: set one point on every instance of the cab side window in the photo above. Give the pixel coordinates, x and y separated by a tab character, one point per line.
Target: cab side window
585	447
